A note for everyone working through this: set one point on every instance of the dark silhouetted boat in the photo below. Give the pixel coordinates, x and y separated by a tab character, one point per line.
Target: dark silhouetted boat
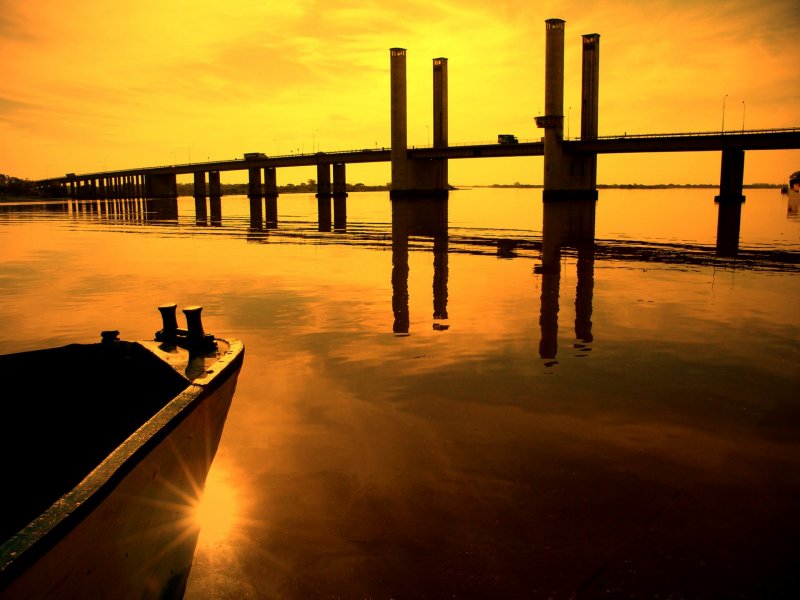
104	451
794	184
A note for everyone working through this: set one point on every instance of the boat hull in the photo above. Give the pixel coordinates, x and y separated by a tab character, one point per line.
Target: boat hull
126	531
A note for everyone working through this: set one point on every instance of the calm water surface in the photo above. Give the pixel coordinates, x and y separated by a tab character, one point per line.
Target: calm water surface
484	398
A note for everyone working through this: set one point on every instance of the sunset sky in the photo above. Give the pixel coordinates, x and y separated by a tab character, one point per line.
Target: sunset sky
89	85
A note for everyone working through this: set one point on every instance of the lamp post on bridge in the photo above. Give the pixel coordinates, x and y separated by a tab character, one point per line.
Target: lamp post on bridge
743	107
725	97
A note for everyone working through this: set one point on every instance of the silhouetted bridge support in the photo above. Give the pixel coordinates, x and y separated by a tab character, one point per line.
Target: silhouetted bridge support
424	178
730	201
162	185
569	176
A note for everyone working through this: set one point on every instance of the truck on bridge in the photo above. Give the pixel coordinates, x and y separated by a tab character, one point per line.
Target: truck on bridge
254	155
507	138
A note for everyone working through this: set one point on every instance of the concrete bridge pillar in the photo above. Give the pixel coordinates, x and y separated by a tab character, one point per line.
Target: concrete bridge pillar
323	180
254	195
568	176
270	182
399	122
324	196
731	176
254	183
440	123
163	185
339	180
214	187
271	196
199	192
200	185
417	178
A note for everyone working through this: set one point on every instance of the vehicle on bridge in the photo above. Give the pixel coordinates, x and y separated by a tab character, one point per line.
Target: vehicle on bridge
507	138
254	155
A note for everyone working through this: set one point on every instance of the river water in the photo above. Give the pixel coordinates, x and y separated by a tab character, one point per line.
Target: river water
486	397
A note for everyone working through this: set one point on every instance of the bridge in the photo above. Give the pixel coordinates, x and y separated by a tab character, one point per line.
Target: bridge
570	165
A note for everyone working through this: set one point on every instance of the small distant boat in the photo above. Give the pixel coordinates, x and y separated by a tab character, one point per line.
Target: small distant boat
794	184
104	450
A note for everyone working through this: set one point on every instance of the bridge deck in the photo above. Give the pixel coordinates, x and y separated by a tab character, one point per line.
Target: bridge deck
771	139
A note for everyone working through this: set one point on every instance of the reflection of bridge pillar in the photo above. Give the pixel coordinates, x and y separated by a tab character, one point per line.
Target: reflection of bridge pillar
400	310
731	176
441	273
340	213
419	217
729	218
571	224
584	292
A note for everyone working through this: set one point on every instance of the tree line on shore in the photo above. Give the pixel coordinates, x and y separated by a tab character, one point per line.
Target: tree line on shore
14	187
310	186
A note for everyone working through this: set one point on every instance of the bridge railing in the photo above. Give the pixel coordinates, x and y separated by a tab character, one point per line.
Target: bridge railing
692	134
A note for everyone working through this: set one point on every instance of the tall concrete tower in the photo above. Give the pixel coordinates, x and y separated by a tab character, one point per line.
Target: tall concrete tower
556	176
439	167
566	175
399	108
590	85
423	178
587	165
440	103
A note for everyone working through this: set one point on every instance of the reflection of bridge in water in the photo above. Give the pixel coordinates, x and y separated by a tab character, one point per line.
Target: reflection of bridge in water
568	231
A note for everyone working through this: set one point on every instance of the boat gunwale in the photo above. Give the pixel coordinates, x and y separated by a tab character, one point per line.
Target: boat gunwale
21	550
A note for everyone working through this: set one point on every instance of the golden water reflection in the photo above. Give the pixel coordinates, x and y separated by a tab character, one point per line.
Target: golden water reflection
218	510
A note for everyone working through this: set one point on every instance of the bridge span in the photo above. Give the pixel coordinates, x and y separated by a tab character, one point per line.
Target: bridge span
570	164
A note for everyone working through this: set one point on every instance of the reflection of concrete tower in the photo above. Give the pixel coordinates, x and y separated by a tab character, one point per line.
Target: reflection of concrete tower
566	224
421	218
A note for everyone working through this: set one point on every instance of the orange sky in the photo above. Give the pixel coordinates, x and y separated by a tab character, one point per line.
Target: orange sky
92	84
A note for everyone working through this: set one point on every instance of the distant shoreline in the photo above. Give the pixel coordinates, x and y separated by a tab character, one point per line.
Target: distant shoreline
636	186
238	189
